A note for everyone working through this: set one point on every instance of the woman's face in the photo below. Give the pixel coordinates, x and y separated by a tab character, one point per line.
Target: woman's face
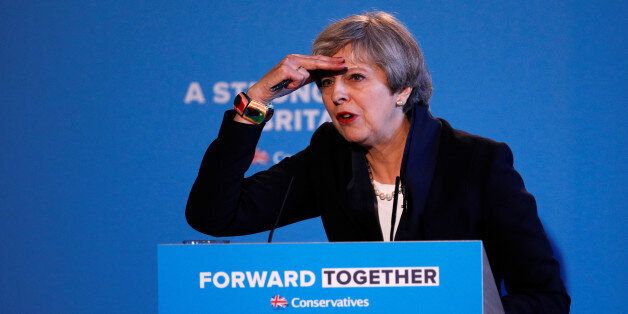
360	103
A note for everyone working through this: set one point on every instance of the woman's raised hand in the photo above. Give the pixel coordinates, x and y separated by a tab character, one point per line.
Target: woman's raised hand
294	69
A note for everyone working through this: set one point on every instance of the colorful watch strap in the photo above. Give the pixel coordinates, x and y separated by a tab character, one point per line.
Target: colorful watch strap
252	110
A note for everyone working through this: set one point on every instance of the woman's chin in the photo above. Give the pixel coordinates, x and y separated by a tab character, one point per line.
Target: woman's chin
353	138
351	133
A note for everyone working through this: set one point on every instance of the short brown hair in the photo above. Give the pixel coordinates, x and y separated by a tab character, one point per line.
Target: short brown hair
380	38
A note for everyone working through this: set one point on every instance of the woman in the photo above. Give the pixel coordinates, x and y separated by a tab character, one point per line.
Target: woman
376	88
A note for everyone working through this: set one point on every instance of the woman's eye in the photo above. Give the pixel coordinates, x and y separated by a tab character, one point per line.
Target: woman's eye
356	77
326	82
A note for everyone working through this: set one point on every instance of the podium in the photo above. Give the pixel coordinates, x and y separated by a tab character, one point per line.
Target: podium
356	277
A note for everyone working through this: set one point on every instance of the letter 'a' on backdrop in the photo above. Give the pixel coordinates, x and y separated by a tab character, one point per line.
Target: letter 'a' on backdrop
399	277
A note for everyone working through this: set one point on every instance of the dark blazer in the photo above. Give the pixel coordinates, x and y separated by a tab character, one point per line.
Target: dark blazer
457	186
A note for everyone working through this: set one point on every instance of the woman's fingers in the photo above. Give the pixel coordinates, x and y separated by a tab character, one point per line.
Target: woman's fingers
317	62
295	78
298	68
292	73
301	77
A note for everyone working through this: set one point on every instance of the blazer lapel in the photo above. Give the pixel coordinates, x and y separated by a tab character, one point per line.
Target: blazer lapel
417	170
361	198
446	221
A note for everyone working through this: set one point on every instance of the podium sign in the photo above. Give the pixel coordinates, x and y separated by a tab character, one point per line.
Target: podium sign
361	277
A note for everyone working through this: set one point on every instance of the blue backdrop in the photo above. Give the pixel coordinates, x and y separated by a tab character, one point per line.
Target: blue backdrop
107	109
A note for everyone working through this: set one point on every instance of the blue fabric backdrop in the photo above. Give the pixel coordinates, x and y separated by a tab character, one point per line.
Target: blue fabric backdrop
107	108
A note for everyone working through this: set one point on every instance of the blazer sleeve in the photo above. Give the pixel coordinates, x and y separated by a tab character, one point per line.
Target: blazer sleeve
224	203
524	255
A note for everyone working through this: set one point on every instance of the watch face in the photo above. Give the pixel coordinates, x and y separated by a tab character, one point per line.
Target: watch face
255	112
252	110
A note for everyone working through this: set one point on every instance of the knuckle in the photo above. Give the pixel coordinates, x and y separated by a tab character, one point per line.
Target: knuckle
285	70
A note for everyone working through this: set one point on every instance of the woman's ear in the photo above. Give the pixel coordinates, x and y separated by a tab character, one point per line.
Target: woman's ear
402	98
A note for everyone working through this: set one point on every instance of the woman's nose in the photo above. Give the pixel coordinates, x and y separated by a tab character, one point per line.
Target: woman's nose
339	92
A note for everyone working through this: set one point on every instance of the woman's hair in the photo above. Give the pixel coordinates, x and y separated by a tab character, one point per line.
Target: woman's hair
379	38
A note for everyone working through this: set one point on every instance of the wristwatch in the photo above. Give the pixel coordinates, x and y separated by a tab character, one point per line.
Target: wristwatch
252	110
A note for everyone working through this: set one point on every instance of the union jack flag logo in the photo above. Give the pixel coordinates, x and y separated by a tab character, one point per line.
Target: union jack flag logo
261	157
278	302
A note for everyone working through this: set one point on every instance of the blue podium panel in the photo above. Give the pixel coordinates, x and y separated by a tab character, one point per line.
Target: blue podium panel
366	277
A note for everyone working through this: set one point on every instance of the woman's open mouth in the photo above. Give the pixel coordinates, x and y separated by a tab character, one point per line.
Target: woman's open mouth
345	117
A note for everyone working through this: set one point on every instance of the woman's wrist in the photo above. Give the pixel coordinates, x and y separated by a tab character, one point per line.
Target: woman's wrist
251	110
254	94
257	92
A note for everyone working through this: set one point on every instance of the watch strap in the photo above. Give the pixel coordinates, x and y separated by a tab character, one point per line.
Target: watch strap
252	110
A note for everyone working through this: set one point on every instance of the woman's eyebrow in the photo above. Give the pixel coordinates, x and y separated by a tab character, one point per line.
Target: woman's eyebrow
357	68
326	73
319	74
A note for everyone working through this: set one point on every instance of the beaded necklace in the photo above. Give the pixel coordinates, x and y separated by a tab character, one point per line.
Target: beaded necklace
381	195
